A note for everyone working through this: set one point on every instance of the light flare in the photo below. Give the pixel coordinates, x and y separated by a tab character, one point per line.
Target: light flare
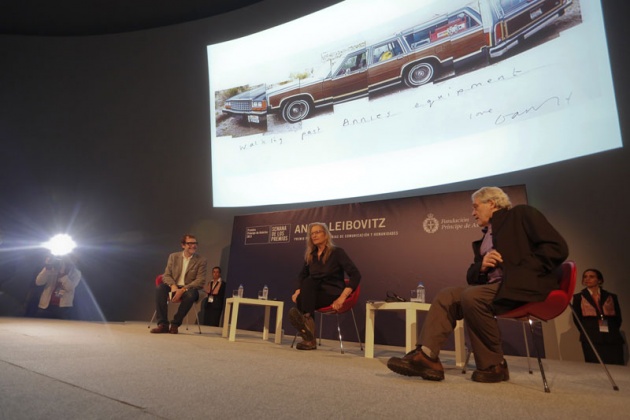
60	244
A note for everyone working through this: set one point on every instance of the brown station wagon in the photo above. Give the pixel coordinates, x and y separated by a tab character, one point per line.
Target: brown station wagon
415	56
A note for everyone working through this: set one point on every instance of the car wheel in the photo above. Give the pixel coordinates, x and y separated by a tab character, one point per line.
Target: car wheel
296	110
419	74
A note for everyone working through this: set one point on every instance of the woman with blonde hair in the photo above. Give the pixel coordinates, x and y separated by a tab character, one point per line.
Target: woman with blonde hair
321	282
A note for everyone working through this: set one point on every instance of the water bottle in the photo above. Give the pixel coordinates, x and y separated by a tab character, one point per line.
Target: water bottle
240	291
420	292
265	292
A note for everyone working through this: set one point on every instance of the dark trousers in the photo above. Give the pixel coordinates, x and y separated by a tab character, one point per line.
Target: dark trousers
162	300
473	304
611	354
312	297
212	313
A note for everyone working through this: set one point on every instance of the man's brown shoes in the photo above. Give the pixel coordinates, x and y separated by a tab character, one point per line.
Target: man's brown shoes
163	329
160	329
416	363
496	373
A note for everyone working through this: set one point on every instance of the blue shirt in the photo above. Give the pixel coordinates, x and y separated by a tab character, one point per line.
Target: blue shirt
494	274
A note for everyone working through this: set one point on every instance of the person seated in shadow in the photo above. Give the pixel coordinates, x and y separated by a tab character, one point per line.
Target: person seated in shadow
321	282
515	262
184	275
598	311
213	306
59	278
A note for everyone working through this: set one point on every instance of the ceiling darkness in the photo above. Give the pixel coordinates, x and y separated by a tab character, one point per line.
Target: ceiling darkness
99	17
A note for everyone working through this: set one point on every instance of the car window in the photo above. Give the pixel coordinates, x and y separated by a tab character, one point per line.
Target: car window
422	35
454	24
418	38
353	62
386	51
460	22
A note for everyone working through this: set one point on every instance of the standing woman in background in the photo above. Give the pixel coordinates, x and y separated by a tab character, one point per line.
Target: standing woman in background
599	312
215	291
321	282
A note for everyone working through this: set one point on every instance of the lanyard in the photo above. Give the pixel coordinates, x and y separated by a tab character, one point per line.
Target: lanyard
215	286
597	303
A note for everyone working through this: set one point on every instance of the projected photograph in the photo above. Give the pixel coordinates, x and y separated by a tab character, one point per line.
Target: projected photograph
415	89
413	57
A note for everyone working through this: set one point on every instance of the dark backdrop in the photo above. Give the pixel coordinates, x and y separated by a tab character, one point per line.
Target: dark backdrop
394	243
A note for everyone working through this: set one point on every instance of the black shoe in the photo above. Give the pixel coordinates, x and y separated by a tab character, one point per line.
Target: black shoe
496	373
299	322
416	363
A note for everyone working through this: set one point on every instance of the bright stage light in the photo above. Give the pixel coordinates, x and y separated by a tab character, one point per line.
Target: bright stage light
60	245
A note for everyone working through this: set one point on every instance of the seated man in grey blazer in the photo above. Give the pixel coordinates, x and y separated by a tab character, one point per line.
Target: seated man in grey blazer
184	276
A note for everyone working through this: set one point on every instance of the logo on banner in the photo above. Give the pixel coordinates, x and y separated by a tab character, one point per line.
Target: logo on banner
430	224
267	234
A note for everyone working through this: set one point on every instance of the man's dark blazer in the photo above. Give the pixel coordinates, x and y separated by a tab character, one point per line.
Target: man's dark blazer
532	252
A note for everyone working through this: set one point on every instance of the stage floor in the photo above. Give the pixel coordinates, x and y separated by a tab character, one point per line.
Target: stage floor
84	370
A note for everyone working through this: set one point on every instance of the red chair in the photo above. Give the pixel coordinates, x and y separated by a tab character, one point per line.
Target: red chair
554	305
195	307
348	305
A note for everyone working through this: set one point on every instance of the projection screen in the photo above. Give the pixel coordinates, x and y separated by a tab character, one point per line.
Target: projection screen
370	97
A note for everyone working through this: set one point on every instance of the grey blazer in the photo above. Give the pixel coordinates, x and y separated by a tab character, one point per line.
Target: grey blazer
195	274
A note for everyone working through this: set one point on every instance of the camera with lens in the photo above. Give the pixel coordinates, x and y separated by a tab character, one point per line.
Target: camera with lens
53	263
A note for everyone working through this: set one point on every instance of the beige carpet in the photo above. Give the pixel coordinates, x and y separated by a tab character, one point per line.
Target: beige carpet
80	370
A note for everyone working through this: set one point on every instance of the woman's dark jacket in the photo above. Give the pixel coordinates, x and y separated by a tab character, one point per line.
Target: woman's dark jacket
330	274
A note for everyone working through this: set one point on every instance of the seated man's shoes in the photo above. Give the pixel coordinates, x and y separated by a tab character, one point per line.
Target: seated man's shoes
416	363
303	324
496	373
307	345
160	329
174	329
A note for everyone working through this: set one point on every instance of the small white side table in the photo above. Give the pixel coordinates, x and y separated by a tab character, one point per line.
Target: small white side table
268	304
411	328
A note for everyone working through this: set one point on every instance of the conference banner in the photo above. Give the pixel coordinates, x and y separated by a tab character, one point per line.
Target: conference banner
394	243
